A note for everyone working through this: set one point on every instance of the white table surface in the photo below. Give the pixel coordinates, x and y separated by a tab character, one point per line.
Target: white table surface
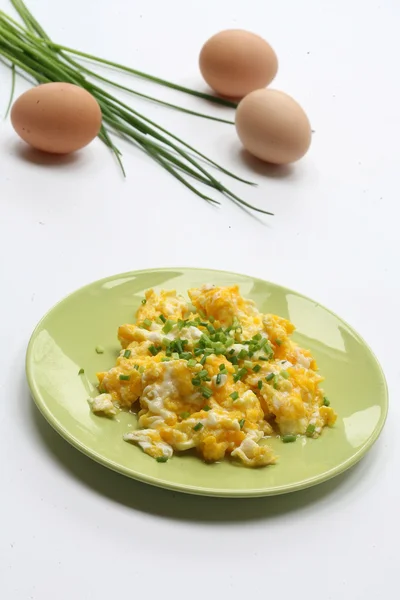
69	527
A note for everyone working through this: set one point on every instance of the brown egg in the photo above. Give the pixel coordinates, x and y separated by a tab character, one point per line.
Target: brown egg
56	117
273	127
235	62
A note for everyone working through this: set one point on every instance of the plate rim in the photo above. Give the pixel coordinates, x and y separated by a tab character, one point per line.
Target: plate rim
189	489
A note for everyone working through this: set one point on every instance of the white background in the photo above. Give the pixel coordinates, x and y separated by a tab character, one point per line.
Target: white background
72	529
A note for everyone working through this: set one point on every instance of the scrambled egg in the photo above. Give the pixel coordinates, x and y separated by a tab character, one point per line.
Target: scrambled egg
213	374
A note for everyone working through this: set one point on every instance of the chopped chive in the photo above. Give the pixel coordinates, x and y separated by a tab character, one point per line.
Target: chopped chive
218	379
202	374
198	351
276	387
186	356
241	423
181	324
203	360
248	364
257	368
147	323
270	376
165	359
263	358
287	439
206	392
144	301
198	426
141	369
285	374
259	384
168	326
191	363
257	337
185	415
222	367
153	350
196	381
326	401
202	314
162	459
278	342
162	318
233	360
232	351
206	408
124	377
99	349
211	328
136	367
127	353
242	354
211	319
81	371
310	429
175	355
234	395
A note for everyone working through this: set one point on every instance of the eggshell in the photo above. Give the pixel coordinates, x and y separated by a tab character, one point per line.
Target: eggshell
273	127
235	62
56	117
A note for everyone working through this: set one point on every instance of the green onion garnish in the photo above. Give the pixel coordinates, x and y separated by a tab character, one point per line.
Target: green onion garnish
202	374
257	337
242	354
144	301
147	323
175	355
124	377
285	374
310	429
211	319
165	359
278	342
136	367
203	360
186	356
162	459
241	423
234	395
81	371
196	381
181	324
276	387
162	318
185	415
326	401
259	384
141	369
206	408
218	379
191	363
270	376
99	349
198	426
127	353
287	439
153	350
222	367
257	368
206	392
168	326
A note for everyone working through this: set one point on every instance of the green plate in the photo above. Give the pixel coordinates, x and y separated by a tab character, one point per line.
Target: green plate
65	341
